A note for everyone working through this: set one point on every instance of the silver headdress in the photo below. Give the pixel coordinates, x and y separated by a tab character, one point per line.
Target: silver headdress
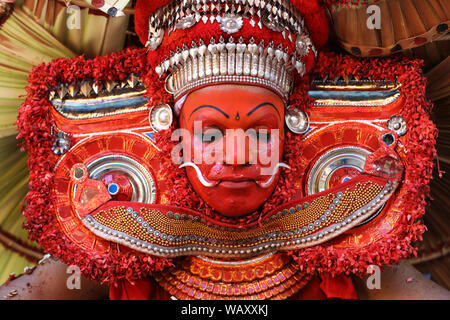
229	57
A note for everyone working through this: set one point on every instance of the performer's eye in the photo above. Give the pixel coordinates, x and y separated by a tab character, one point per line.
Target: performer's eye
262	135
208	138
211	135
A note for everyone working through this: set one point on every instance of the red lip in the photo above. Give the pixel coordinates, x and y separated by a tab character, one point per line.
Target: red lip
234	173
237	184
235	178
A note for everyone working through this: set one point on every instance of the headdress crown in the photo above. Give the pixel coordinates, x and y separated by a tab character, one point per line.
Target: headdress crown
195	43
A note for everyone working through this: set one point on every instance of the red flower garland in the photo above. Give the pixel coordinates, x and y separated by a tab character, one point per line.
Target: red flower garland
34	124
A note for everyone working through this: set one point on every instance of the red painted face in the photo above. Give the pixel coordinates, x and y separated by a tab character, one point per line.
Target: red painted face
236	136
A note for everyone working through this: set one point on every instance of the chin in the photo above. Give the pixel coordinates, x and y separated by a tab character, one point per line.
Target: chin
234	199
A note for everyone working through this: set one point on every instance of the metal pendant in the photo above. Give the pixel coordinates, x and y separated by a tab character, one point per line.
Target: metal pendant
161	117
398	125
186	22
297	121
231	23
61	144
302	44
155	39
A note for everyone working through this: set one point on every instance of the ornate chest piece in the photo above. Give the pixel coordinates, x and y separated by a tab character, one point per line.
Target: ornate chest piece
270	276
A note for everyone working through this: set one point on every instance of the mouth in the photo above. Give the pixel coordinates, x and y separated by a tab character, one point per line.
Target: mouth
236	184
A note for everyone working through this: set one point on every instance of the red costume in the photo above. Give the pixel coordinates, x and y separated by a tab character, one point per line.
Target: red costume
353	152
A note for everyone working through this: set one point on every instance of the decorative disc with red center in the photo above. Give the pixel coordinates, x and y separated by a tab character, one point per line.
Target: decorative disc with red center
123	163
342	175
119	185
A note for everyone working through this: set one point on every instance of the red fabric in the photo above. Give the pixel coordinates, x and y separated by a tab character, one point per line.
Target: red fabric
311	291
339	287
147	289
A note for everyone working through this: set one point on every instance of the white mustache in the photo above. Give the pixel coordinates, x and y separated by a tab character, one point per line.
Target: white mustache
274	173
209	184
205	182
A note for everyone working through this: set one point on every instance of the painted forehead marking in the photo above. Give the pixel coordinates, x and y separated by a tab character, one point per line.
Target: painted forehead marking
237	114
263	105
211	107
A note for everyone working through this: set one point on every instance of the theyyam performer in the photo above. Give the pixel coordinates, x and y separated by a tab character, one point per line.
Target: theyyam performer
234	157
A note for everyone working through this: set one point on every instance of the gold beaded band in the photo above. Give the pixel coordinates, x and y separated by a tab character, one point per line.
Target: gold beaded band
165	232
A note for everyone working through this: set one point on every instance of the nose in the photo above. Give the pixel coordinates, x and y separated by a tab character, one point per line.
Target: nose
237	147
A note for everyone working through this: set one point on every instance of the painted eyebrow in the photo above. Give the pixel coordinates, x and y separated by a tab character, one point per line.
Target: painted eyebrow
212	107
263	105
